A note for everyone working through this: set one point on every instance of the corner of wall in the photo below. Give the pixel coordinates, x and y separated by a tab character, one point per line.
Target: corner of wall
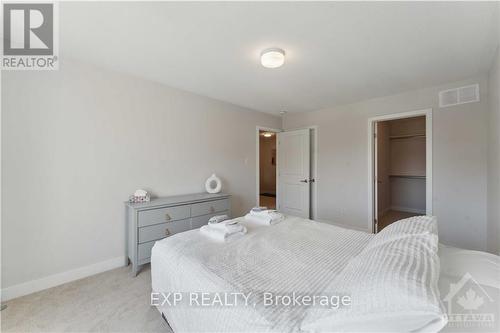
493	163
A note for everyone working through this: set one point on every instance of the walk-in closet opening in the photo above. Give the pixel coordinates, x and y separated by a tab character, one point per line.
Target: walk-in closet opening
400	169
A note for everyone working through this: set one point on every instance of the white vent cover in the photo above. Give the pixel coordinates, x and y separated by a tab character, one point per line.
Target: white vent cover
456	96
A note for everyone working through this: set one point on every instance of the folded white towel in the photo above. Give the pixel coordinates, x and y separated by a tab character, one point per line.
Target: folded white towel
218	219
264	212
267	219
221	235
229	226
258	209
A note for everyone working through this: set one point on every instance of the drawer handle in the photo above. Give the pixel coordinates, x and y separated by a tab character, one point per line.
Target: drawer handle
212	209
167	217
167	232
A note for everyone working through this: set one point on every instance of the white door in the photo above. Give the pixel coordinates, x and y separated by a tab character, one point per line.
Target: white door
293	195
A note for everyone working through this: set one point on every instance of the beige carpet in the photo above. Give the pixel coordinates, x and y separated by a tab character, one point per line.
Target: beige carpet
113	301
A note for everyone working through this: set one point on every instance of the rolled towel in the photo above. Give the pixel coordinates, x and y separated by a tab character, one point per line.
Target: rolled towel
221	235
265	220
218	219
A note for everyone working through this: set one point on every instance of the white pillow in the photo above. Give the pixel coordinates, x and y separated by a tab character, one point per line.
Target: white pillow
392	284
483	266
416	225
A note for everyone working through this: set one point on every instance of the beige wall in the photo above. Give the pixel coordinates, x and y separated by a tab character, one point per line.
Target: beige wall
494	158
408	195
76	142
459	160
267	171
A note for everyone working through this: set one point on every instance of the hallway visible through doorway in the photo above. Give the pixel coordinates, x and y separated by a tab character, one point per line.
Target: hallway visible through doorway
267	169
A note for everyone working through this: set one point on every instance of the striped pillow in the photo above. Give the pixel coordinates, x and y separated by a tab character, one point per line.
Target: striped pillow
417	225
392	284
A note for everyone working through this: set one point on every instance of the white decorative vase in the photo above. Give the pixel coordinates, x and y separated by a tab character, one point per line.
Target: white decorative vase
213	184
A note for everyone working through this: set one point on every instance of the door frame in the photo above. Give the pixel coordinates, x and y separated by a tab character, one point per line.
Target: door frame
257	159
371	162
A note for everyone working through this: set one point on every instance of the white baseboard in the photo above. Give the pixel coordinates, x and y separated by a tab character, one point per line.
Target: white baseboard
409	210
50	281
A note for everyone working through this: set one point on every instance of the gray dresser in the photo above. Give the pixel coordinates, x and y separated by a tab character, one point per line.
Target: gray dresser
162	217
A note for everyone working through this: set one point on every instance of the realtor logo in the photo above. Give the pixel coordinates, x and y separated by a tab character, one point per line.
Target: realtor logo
470	306
29	36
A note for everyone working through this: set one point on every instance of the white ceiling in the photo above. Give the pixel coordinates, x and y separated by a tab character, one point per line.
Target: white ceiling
336	53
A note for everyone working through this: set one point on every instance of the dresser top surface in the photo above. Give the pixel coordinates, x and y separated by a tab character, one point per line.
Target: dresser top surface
178	199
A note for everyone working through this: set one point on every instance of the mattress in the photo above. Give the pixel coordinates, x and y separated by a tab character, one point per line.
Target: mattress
296	254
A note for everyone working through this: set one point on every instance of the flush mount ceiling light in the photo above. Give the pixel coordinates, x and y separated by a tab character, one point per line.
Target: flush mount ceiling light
272	58
268	134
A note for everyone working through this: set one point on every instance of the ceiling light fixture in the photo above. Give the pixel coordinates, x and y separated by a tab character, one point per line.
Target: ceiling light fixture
268	134
272	58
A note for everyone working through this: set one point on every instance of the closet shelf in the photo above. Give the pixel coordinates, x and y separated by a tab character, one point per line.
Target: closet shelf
406	136
408	176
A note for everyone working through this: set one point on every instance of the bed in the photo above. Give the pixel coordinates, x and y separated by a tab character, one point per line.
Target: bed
307	257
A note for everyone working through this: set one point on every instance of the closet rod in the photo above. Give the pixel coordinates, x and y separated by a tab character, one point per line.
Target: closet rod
408	176
407	136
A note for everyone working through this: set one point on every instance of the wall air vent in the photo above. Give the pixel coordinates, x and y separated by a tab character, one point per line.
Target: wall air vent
456	96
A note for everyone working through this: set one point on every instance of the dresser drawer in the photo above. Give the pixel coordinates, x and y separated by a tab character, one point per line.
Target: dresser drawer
162	230
209	207
199	221
144	250
161	215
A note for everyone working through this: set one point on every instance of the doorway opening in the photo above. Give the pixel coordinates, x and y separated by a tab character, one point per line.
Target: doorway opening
267	169
401	168
287	170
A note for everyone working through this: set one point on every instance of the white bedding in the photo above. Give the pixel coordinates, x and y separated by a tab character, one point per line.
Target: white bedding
484	268
276	258
393	284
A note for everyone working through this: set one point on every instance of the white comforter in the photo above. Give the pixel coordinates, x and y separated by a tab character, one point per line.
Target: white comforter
294	255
